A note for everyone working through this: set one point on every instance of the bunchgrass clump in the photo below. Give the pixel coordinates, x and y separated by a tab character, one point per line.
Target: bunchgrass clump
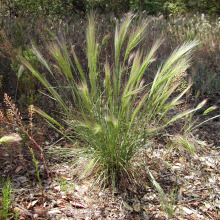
109	110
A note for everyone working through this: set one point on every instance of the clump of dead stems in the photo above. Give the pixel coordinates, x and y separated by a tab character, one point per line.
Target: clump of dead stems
13	118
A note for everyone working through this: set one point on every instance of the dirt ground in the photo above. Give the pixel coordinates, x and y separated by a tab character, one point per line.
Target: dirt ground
191	182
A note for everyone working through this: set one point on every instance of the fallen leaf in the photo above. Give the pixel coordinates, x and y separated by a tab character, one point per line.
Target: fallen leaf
187	211
57	188
137	207
18	169
35	216
145	216
32	204
22	179
77	205
54	211
39	210
127	206
208	205
65	176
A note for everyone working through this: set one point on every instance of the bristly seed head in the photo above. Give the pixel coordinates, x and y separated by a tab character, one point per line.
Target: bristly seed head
31	110
2	116
10	115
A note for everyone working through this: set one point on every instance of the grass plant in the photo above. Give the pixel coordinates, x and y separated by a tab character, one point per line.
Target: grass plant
37	171
109	111
167	205
191	124
6	201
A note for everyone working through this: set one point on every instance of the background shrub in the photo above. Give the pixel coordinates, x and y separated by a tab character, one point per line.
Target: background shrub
24	21
63	8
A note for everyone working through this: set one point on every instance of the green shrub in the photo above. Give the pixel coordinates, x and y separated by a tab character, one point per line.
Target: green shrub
173	8
37	8
63	8
6	205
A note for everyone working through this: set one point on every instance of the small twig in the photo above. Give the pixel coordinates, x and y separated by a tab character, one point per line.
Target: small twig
190	201
29	213
207	212
205	188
